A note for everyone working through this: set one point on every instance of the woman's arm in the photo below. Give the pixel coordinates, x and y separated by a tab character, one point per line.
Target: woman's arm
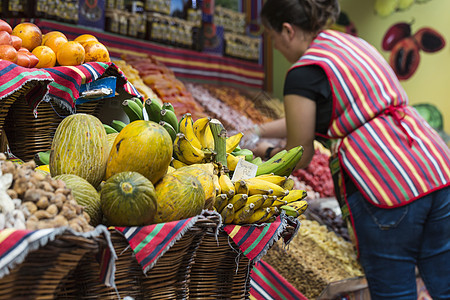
274	129
300	115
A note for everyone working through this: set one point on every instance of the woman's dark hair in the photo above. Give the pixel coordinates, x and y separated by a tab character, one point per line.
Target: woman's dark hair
309	15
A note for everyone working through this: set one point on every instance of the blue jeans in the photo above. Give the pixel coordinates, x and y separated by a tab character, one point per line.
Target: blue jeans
393	241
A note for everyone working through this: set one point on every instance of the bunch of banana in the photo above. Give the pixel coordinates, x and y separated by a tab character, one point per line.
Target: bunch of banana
282	163
198	138
133	109
258	200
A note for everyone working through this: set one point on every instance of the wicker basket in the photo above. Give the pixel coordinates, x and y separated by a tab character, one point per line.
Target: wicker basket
219	272
44	271
168	279
28	135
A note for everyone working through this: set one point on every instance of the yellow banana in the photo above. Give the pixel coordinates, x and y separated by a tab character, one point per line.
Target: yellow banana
203	132
299	206
288	184
277	203
232	161
185	151
177	164
238	201
258	186
258	200
186	126
220	202
233	141
243	214
241	187
170	169
258	215
274	211
294	195
269	201
216	184
275	179
227	214
226	185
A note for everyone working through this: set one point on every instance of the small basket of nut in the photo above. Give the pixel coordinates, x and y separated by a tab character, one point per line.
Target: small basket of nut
44	233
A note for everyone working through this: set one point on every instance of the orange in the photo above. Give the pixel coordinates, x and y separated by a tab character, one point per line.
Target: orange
52	33
70	54
55	41
46	56
84	38
96	51
30	34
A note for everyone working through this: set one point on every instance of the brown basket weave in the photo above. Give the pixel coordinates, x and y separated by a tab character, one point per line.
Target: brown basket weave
28	135
42	273
219	272
168	279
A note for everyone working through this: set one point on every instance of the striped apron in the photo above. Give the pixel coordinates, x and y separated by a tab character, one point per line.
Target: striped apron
390	152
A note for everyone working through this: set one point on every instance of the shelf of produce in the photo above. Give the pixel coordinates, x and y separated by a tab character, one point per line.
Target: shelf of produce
188	65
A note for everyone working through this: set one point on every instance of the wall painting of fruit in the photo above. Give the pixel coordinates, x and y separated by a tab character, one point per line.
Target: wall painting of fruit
405	47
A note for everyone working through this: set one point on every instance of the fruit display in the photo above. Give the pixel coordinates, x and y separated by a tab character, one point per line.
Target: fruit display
31	200
27	46
405	47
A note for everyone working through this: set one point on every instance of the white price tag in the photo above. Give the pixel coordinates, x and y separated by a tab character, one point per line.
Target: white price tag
244	170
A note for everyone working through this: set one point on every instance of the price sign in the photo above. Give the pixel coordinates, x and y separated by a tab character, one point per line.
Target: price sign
244	170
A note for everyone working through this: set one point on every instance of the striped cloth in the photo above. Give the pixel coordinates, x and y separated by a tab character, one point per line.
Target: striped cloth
389	150
60	85
16	244
267	284
15	78
254	241
150	242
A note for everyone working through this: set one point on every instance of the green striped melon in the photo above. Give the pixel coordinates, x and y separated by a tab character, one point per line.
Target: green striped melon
128	199
79	147
85	195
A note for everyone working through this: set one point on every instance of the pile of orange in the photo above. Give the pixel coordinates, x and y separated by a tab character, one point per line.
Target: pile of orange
26	46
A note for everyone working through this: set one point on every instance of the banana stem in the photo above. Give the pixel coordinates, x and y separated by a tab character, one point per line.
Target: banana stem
220	141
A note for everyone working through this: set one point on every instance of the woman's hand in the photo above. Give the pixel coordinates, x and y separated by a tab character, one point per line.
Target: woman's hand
261	148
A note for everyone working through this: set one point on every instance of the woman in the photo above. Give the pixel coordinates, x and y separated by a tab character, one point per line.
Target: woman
391	170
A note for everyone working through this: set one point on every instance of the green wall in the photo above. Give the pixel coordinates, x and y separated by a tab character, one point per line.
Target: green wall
431	81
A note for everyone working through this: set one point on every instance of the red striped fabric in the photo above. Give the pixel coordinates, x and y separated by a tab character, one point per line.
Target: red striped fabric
266	283
391	153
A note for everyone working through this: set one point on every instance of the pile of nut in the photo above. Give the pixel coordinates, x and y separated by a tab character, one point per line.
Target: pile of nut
32	200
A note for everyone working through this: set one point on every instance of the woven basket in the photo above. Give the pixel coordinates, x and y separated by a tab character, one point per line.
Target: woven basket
168	279
28	135
42	274
219	271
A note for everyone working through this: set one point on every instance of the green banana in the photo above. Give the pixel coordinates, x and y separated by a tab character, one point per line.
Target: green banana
169	106
227	213
132	109
244	152
118	125
257	161
138	101
290	211
42	158
186	152
153	109
109	129
169	129
169	117
283	164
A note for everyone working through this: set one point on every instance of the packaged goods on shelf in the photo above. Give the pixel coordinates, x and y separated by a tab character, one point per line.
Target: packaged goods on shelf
241	46
315	258
159	6
231	20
